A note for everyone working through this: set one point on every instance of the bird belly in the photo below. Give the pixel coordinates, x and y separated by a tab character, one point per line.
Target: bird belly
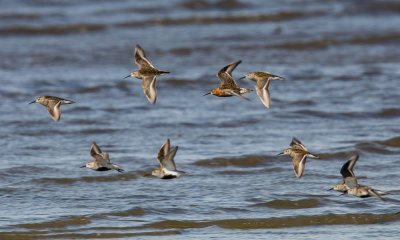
102	169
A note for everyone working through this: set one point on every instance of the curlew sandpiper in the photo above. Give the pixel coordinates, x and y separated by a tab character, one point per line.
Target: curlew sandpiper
167	164
299	153
101	160
262	80
228	86
52	105
346	171
147	72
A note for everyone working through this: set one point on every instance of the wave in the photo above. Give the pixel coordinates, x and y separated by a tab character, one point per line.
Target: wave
135	211
281	16
324	43
248	161
83	227
287	204
241	223
104	178
283	222
381	147
80	235
384	113
21	16
89	27
94	89
97	131
56	29
221	4
392	142
178	82
388	112
59	223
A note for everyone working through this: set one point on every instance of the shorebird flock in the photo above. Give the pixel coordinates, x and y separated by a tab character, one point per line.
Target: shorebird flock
228	88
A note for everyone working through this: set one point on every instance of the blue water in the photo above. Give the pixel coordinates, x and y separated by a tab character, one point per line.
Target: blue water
340	97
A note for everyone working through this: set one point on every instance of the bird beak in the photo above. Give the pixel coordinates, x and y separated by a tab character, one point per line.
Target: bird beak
207	94
241	78
83	166
32	102
127	76
280	153
330	189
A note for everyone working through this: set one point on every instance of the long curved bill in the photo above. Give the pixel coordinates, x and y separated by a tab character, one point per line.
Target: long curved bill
83	166
207	94
127	76
32	102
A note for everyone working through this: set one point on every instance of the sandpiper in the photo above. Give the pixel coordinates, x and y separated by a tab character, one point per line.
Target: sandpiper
167	164
346	171
361	191
52	105
299	153
262	80
148	73
228	86
101	160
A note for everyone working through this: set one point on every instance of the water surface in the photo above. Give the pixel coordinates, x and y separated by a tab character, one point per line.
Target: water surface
340	98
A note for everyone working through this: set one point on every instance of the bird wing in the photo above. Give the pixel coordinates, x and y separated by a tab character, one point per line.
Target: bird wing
233	92
102	160
353	161
168	161
351	182
372	192
140	58
149	88
299	164
95	150
296	144
164	150
106	157
225	74
347	168
53	107
263	92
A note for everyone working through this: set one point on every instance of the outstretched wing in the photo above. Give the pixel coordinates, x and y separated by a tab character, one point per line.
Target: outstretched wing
296	144
149	88
372	192
168	161
164	150
299	164
53	108
347	168
95	150
238	95
263	92
225	74
140	58
351	182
